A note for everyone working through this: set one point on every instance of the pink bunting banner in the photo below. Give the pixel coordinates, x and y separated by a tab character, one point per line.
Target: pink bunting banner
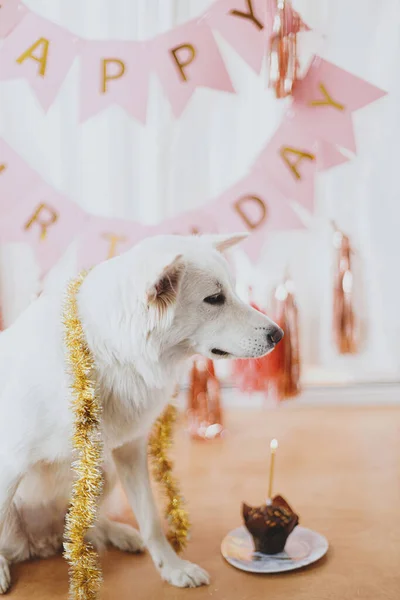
45	219
114	73
41	52
11	13
186	58
314	136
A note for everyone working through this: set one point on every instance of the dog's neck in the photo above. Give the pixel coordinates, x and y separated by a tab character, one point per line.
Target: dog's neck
152	367
146	372
120	341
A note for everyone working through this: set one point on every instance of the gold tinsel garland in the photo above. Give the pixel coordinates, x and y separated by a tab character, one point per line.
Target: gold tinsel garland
85	572
159	444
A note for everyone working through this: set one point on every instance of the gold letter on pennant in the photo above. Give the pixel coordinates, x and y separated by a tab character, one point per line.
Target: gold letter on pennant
240	209
250	15
113	239
182	64
327	100
108	76
2	168
44	216
41	58
287	151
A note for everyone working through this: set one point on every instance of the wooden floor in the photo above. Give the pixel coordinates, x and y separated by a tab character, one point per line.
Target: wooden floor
340	469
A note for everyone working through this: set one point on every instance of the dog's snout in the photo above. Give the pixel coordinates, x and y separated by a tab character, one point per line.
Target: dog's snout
275	335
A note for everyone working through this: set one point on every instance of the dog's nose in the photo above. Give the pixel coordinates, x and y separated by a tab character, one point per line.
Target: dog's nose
275	335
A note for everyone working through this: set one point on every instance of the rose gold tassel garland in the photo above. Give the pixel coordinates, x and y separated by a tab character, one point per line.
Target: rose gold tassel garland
285	360
283	60
204	412
344	320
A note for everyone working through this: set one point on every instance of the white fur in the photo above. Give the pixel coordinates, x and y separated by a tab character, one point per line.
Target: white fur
140	329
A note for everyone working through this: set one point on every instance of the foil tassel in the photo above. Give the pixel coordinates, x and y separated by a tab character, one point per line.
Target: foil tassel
279	371
285	360
204	410
283	63
344	320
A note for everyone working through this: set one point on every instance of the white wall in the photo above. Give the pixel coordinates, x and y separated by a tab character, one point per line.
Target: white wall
114	166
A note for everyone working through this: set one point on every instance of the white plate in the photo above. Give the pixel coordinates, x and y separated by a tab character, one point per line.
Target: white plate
303	547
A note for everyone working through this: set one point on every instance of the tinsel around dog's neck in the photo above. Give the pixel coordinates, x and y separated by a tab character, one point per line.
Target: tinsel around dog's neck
85	572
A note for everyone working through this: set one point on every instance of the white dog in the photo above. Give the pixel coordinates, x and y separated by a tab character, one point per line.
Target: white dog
143	313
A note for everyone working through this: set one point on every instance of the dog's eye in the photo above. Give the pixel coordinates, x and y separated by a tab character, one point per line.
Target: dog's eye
215	299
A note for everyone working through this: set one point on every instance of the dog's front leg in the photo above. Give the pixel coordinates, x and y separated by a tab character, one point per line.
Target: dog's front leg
132	467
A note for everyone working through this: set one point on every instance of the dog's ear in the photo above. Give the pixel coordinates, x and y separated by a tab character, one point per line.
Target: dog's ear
162	293
225	241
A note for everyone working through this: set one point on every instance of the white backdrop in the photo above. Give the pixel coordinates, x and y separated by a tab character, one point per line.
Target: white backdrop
113	166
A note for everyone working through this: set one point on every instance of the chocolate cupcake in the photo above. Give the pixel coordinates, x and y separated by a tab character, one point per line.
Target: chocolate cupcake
270	525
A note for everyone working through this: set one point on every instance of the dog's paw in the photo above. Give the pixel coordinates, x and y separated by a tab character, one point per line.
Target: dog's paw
184	574
124	537
5	576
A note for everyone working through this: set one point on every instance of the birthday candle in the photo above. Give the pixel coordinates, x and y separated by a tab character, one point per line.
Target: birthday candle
273	446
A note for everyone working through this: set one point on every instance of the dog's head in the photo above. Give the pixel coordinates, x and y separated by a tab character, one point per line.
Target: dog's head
175	297
191	301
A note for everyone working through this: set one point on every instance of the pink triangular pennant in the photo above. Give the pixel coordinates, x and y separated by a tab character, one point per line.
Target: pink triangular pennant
45	219
40	52
104	238
254	205
114	73
185	58
323	101
243	24
325	80
289	160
